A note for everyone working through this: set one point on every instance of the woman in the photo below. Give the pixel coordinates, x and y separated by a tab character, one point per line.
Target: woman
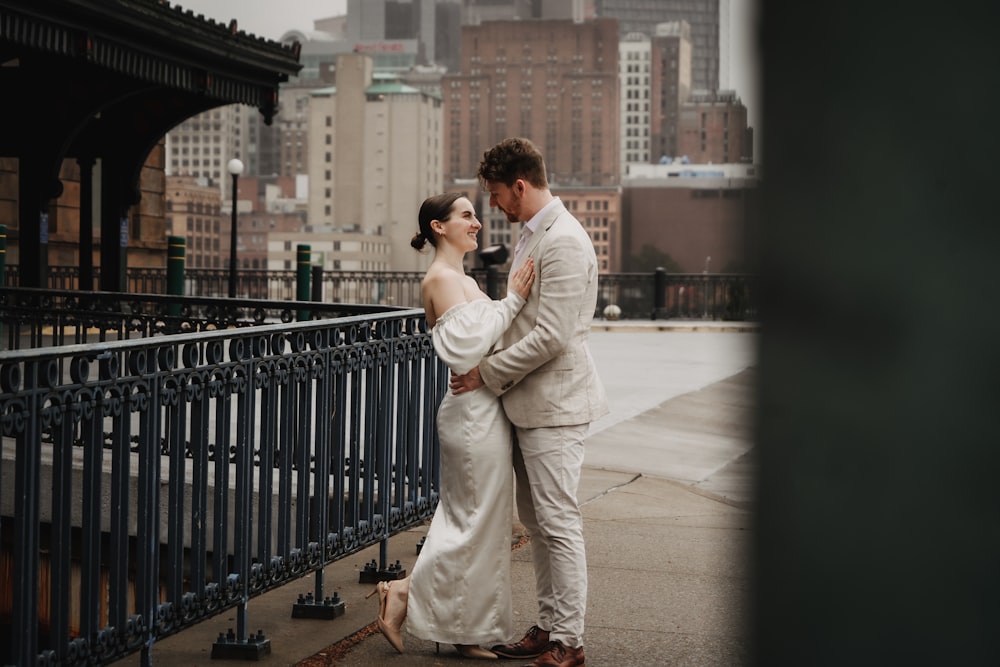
459	590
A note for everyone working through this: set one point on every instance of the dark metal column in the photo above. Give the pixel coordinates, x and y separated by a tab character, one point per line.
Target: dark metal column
114	229
33	190
86	223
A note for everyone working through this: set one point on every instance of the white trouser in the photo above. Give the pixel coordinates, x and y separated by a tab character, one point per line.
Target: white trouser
547	464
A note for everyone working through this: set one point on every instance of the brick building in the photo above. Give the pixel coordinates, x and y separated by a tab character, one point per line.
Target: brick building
599	211
713	129
552	81
194	213
702	216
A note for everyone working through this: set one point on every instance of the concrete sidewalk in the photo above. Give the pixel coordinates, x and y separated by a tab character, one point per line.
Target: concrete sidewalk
668	550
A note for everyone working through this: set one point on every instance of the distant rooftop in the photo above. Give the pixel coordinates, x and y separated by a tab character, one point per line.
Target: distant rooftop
391	88
680	172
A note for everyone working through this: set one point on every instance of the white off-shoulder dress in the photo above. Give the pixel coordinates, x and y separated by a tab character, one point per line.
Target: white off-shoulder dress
460	584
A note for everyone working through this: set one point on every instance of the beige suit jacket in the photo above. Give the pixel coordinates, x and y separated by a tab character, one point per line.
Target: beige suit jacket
542	369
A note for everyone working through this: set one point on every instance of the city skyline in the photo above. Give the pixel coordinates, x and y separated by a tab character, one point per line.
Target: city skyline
271	20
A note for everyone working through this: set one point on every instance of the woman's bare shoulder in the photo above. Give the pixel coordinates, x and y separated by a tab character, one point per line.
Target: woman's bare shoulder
441	289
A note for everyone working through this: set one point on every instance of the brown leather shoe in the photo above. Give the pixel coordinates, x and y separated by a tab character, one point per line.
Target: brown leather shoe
534	642
558	654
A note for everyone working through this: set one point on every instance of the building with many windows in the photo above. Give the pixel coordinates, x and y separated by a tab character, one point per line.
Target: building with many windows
655	80
708	19
552	81
376	155
594	102
265	206
599	211
283	146
332	249
713	129
194	214
203	145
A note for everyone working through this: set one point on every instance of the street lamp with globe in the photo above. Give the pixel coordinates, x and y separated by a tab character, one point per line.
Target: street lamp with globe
235	168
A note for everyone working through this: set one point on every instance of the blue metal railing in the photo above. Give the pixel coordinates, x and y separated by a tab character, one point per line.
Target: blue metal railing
165	479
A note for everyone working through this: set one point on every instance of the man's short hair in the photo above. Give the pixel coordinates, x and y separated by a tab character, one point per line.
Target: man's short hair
512	159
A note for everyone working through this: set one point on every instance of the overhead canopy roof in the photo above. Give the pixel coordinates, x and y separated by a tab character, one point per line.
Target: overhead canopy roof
106	79
88	56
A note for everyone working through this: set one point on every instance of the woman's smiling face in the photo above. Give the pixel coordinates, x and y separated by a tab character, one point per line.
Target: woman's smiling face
462	226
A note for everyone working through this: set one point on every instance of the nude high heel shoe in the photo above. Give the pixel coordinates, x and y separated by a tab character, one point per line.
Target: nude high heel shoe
391	634
473	651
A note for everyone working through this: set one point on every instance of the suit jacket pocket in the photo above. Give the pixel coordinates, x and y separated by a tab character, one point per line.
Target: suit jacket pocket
565	361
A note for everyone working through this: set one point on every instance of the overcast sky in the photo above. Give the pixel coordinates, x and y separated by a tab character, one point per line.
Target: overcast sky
272	18
266	18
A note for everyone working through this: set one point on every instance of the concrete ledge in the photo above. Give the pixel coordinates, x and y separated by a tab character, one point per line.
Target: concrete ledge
645	326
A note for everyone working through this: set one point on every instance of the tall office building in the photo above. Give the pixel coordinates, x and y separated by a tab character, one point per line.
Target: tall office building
670	86
655	81
556	83
636	107
475	12
419	21
709	29
289	134
376	154
203	145
553	81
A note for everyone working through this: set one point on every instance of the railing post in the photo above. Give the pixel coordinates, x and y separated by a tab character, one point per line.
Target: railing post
317	283
3	255
27	500
3	264
659	291
302	264
175	271
491	282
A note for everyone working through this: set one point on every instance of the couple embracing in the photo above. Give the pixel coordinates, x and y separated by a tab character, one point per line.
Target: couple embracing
523	392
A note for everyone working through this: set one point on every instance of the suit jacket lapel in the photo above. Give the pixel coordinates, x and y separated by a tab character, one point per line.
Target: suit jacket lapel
536	238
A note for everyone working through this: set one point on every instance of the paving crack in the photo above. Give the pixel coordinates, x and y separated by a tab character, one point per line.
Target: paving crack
607	491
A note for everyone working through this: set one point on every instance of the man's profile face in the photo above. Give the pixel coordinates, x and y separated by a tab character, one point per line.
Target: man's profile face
507	198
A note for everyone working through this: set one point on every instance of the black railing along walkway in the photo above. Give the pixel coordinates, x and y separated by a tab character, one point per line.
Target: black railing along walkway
650	295
151	483
166	458
32	317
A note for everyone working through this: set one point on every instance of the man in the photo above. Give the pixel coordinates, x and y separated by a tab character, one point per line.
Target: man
546	378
